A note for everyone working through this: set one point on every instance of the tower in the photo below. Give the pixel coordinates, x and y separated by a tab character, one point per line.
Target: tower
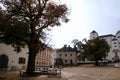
118	37
93	34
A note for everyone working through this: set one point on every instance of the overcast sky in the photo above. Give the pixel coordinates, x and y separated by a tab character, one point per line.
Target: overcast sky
102	16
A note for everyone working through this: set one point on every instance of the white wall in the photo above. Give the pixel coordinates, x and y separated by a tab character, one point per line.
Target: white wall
111	41
68	57
13	56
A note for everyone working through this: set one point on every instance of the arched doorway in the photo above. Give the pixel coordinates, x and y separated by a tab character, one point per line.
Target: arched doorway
3	61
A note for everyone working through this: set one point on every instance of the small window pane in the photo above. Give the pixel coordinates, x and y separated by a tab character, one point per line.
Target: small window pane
21	60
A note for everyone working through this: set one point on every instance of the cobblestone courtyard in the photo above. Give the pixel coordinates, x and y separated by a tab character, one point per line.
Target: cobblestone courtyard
71	73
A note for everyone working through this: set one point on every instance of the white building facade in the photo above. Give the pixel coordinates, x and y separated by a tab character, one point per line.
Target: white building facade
114	43
68	55
12	60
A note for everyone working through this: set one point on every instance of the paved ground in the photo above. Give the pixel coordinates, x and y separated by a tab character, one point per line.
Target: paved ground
15	75
91	73
71	73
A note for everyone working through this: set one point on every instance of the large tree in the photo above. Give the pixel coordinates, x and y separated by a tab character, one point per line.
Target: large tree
25	22
81	48
96	49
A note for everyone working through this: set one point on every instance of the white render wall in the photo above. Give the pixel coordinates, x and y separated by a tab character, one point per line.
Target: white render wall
71	55
13	57
113	41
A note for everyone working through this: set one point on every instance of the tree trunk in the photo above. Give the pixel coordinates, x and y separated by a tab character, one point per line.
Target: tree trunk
31	61
96	62
32	52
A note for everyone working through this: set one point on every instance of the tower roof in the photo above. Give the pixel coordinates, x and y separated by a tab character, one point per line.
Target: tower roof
67	49
109	35
93	31
118	32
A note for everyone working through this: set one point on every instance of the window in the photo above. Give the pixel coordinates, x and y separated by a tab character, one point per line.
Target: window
65	61
65	54
114	42
37	62
71	61
118	36
115	46
60	55
21	60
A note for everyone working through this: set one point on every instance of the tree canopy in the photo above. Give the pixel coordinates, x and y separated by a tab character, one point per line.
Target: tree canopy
95	50
25	22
